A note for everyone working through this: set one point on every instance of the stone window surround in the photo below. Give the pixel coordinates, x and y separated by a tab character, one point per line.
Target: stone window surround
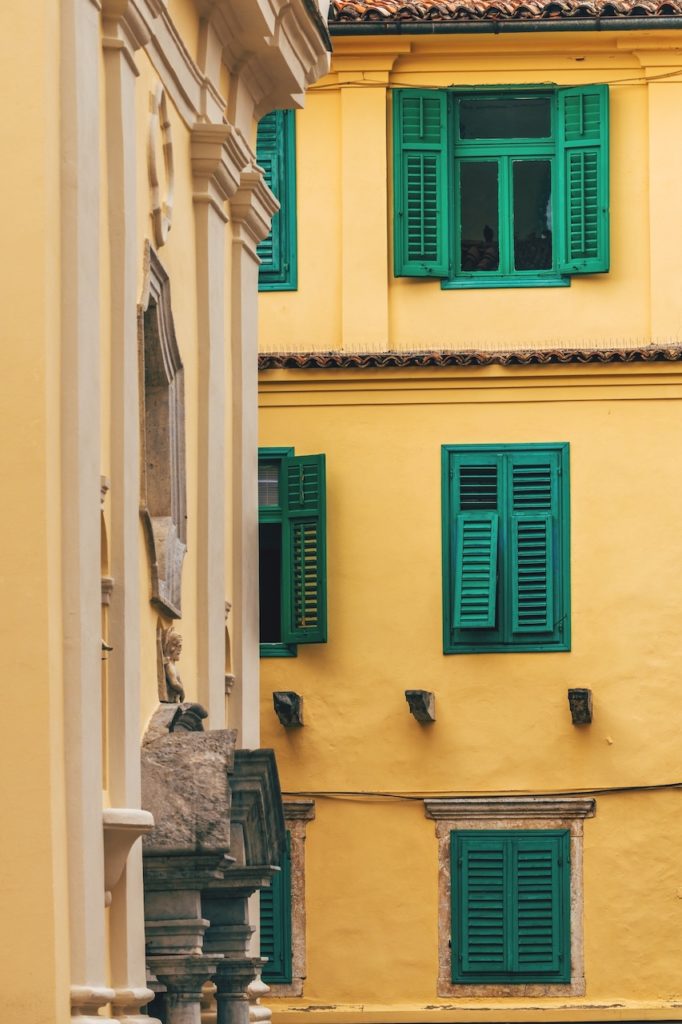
509	813
297	814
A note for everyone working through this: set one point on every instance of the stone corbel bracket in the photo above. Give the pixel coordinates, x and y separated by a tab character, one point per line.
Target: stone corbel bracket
252	208
122	827
220	154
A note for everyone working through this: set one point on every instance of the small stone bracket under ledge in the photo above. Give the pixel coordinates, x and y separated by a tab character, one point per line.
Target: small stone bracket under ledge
122	827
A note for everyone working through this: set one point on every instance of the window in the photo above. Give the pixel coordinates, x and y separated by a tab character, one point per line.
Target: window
510	895
511	906
292	548
505	548
498	189
275	924
276	154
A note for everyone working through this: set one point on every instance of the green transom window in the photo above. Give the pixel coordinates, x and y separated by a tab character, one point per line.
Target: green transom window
501	188
511	906
505	548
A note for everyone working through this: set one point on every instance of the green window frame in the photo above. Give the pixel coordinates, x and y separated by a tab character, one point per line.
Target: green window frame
429	156
292	496
276	154
275	924
510	899
506	548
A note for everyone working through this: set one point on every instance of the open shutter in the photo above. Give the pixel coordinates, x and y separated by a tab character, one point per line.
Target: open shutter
475	570
534	490
539	873
583	160
275	923
304	618
481	906
420	183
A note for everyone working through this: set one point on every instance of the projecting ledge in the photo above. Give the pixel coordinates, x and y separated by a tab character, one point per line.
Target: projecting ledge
467	808
122	827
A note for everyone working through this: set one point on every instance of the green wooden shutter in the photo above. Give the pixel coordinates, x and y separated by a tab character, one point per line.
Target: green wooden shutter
511	906
538	872
475	570
534	510
482	906
304	563
276	154
420	183
583	160
275	923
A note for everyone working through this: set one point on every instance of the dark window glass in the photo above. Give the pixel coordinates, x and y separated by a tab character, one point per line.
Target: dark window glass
504	117
270	576
532	214
479	215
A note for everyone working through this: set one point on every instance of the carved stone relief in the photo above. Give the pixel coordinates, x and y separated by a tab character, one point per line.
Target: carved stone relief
160	165
163	498
168	651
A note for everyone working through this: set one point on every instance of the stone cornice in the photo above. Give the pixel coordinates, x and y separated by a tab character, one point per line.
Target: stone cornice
468	808
299	810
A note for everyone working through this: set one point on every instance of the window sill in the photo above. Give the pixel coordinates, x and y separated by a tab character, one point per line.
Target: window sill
505	282
278	651
507	648
277	286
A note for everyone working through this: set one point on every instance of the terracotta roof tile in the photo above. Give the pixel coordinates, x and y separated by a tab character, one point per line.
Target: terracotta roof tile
520	357
405	11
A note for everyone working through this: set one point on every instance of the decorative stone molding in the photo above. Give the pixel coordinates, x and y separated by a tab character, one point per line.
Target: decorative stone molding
122	827
126	26
492	809
297	814
87	1000
163	500
127	1005
505	813
160	155
220	154
252	208
107	589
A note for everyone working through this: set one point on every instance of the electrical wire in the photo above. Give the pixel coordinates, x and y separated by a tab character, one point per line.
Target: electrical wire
395	83
377	795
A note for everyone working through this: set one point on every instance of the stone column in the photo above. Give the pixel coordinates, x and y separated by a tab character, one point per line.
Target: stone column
80	488
123	33
251	210
219	155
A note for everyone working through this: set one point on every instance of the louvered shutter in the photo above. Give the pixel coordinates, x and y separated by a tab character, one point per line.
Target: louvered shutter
475	570
538	870
304	618
275	923
270	156
583	160
534	505
511	906
420	183
482	906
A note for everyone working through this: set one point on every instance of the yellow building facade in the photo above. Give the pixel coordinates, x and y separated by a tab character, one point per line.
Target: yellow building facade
132	205
416	389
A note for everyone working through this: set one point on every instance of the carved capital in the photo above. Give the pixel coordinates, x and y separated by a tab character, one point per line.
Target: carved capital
125	28
220	154
252	207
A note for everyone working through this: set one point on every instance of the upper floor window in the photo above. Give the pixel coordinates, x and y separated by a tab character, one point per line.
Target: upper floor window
505	548
292	551
276	154
501	188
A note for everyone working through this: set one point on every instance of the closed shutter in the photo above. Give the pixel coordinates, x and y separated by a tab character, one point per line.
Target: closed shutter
420	183
534	507
275	923
483	906
511	906
583	158
304	618
475	569
537	914
270	156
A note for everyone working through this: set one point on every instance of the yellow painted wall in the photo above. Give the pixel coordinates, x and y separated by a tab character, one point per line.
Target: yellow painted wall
34	935
503	721
349	298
